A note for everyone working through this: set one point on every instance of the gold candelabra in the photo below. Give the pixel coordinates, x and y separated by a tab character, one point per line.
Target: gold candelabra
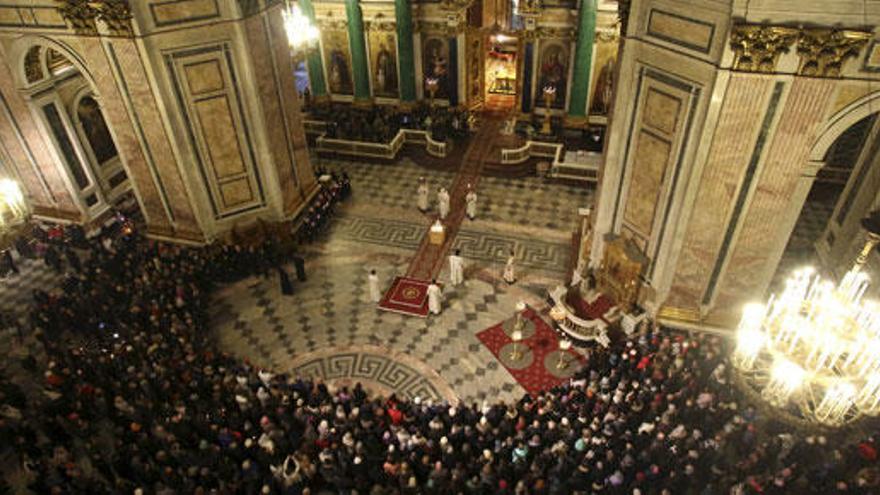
432	84
549	97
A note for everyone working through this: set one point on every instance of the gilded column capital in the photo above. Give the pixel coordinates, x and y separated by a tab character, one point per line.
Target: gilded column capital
824	51
757	48
83	14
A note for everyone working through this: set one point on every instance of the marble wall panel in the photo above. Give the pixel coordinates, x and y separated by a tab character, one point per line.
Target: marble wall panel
204	77
219	130
733	142
166	186
273	73
172	12
766	223
649	167
872	57
694	34
236	192
661	111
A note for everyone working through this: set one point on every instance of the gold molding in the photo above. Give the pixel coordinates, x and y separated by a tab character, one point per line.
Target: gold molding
824	51
556	32
686	315
757	48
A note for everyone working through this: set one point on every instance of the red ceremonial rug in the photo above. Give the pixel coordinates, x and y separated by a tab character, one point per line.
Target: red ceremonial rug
408	296
543	346
589	311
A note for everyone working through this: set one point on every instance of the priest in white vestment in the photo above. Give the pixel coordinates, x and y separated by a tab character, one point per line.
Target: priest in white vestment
435	297
443	202
509	274
422	195
471	200
456	268
373	282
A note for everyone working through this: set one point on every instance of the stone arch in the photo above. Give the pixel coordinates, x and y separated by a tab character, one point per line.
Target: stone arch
841	121
21	47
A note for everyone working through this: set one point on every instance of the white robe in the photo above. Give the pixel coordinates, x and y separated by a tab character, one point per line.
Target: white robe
456	269
375	293
422	198
509	275
435	298
443	203
471	200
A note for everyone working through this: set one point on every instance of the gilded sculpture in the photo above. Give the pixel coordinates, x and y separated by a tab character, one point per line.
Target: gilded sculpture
824	51
757	48
83	14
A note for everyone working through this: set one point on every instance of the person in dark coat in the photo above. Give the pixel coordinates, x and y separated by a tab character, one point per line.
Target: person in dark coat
9	263
300	265
286	285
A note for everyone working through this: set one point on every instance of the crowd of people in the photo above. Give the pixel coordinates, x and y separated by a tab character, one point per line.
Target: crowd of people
380	124
334	189
136	399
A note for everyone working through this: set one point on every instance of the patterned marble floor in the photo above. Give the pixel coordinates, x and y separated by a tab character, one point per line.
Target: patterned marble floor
330	329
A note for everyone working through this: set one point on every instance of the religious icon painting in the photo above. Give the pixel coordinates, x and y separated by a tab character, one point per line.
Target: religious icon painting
383	57
337	61
552	71
435	63
603	76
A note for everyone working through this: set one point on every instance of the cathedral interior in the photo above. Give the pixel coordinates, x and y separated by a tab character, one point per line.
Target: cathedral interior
528	247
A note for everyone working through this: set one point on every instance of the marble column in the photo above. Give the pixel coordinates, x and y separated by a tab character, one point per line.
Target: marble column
583	60
358	46
313	60
405	57
528	62
452	79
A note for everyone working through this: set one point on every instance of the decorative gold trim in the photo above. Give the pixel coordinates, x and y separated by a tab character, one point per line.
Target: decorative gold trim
824	51
556	32
687	315
82	15
757	48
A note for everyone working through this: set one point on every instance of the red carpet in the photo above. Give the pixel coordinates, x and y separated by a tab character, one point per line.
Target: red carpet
587	311
408	296
536	377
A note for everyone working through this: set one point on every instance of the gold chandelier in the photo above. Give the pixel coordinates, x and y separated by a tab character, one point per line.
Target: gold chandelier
13	209
301	33
813	351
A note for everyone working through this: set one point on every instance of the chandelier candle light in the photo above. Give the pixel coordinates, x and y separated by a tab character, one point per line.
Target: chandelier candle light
301	33
814	350
13	209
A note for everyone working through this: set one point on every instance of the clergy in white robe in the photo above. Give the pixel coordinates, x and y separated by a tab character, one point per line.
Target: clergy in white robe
456	268
373	282
471	200
435	297
422	195
443	202
509	274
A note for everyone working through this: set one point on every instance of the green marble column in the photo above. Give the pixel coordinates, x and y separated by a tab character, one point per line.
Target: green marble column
359	66
313	59
583	60
405	56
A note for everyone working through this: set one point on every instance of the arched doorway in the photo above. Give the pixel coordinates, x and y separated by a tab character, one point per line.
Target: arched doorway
829	203
66	104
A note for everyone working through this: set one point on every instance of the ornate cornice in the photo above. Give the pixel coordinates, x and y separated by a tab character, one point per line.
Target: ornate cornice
455	5
556	32
380	23
332	24
82	15
607	36
824	51
757	48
